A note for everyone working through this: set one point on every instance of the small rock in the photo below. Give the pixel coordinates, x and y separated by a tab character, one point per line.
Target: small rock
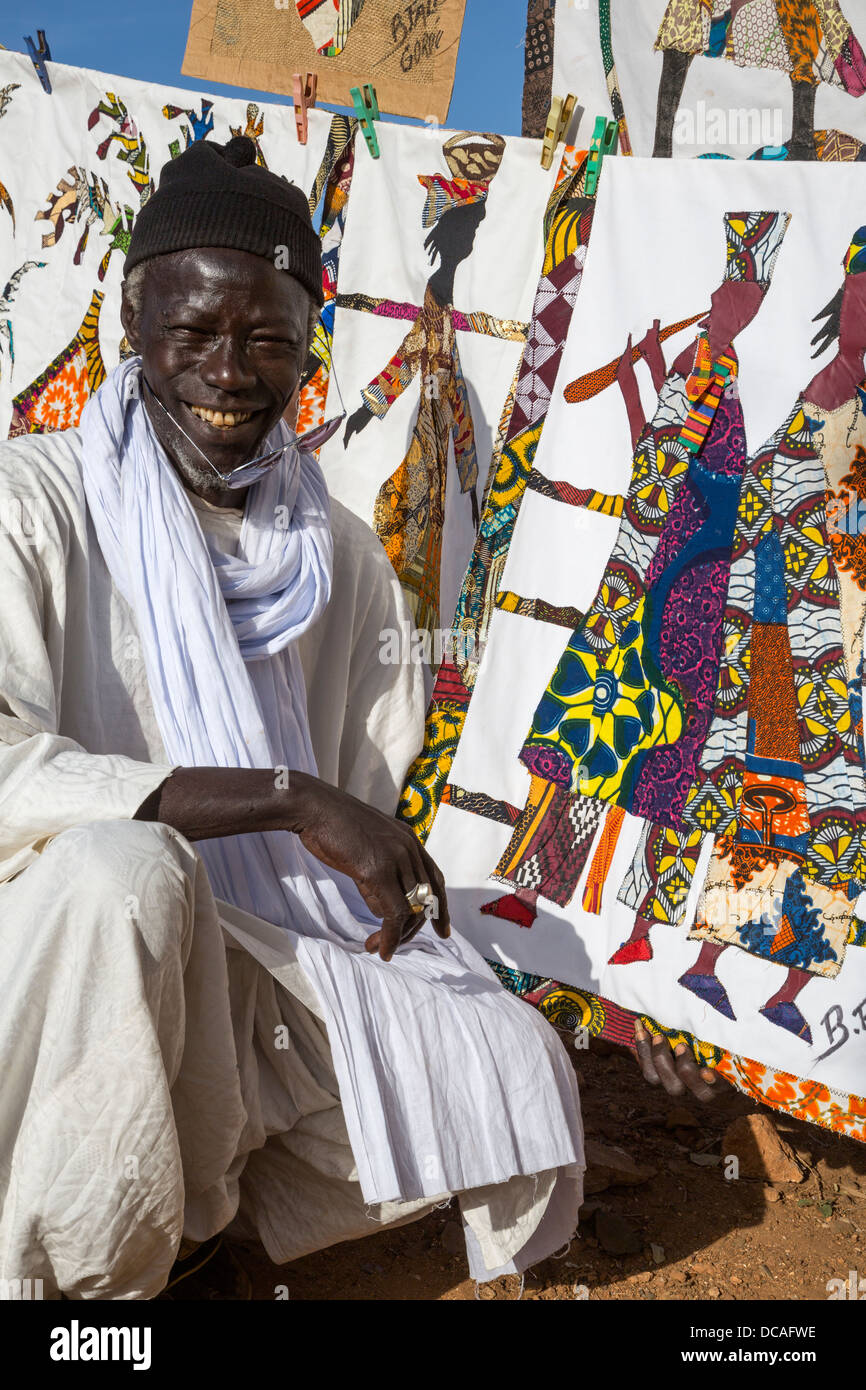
642	1278
772	1194
678	1276
713	1292
658	1253
735	1279
761	1152
616	1235
453	1239
614	1166
678	1117
595	1180
589	1209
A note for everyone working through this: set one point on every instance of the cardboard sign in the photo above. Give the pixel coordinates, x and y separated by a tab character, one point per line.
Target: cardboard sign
407	50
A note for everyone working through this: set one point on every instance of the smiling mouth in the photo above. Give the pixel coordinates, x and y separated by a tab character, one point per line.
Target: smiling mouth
222	419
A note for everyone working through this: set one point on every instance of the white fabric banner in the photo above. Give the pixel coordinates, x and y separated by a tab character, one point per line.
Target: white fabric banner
75	167
662	269
438	276
731	105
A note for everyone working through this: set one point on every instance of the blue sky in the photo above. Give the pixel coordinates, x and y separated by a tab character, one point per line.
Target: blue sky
147	40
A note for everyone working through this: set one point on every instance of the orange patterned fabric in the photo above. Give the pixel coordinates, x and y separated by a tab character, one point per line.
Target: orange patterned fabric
772	697
602	859
805	1100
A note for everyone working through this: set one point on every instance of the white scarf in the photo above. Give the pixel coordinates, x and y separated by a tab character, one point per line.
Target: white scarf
218	636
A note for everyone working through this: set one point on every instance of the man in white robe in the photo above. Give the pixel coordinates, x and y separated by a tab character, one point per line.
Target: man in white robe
174	1063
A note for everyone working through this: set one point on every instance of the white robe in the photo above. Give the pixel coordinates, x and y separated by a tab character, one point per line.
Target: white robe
174	1077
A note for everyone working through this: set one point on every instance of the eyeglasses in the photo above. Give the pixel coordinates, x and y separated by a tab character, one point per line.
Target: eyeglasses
250	472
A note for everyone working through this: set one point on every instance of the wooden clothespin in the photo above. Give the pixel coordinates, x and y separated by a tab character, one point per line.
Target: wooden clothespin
367	111
304	97
605	138
39	56
558	120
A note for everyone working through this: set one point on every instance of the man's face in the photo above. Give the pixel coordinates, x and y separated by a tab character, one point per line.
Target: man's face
222	336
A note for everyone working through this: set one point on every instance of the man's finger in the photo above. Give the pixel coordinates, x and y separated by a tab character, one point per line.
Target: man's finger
424	870
644	1054
389	934
688	1073
664	1064
442	923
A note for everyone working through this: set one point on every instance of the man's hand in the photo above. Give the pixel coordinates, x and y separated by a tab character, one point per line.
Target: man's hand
675	1069
379	853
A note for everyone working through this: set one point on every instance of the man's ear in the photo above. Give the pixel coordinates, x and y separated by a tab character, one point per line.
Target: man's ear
129	319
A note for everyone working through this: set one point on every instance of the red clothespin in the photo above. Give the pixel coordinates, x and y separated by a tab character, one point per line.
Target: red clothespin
304	98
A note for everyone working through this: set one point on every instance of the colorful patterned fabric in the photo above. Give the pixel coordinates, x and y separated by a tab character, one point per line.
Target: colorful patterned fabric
620	693
55	400
574	1009
550	843
562	616
410	507
811	41
444	194
799	794
658	882
754	241
328	22
537	66
854	260
333	180
554	303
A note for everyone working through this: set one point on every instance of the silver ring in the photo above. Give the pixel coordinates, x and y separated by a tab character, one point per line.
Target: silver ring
420	896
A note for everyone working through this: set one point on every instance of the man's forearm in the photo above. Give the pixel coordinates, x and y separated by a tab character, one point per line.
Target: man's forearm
204	803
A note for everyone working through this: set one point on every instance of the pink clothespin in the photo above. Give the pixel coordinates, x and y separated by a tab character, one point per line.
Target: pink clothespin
304	98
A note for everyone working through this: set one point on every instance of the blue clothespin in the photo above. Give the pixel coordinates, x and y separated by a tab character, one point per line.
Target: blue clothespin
367	111
605	138
39	56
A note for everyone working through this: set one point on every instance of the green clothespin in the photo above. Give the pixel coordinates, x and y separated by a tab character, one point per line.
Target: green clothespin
367	111
605	138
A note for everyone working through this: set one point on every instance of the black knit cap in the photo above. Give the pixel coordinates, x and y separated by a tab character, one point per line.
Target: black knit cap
217	195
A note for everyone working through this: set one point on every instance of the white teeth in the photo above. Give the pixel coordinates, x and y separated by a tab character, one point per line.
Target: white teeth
216	417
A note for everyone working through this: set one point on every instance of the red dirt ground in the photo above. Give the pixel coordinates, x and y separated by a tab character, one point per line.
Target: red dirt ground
701	1237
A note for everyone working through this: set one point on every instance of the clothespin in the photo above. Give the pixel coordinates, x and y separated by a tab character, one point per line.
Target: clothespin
367	111
304	97
605	138
558	121
39	56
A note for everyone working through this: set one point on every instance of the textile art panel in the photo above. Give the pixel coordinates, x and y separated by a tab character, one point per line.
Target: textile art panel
762	79
664	807
407	51
431	321
95	147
